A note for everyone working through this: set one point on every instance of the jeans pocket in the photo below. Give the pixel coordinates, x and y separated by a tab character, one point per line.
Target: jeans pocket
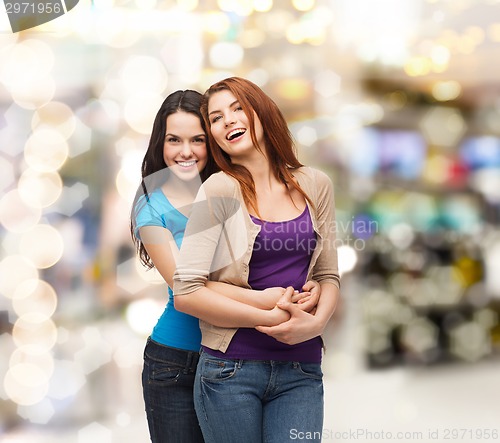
312	370
163	373
217	370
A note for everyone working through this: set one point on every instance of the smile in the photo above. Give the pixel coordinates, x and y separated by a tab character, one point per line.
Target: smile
235	133
187	164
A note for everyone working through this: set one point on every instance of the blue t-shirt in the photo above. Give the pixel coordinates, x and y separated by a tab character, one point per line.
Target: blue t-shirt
173	328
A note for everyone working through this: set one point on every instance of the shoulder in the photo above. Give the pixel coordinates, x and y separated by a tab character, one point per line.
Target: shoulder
308	176
220	184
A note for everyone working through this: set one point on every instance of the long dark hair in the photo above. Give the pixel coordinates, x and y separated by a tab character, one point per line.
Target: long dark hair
279	145
179	101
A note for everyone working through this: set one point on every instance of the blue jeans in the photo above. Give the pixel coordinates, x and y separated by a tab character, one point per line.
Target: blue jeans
255	401
167	383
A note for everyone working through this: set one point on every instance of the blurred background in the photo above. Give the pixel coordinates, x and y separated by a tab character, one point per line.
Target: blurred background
397	100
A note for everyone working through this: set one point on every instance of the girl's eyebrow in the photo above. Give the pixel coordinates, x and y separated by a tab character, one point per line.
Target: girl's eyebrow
231	105
194	136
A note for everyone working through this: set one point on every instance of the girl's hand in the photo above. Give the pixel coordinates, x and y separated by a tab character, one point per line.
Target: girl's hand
308	299
268	298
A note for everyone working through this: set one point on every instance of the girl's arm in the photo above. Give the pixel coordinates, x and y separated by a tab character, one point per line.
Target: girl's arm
162	249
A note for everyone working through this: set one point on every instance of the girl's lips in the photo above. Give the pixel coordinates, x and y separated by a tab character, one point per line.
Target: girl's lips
187	164
235	134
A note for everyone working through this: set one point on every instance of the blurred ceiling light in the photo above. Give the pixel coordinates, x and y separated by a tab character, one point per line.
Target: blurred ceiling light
486	317
240	7
294	88
143	74
25	383
216	22
226	55
307	136
443	126
303	5
466	44
14	270
143	314
187	5
446	90
140	111
327	83
43	245
126	187
348	258
34	329
39	189
440	55
57	116
417	66
262	5
15	214
34	296
129	354
46	150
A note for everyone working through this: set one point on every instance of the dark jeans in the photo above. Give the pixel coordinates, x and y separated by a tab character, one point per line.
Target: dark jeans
167	382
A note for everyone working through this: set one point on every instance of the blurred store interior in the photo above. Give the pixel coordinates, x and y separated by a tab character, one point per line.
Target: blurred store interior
397	100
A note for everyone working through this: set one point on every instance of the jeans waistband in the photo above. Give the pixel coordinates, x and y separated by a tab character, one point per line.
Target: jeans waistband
186	359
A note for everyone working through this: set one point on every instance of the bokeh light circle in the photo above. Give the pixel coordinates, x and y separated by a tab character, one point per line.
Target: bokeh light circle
46	150
14	270
39	189
43	245
34	296
15	214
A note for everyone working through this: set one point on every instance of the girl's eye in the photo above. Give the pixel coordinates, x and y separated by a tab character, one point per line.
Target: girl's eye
172	140
199	140
238	108
217	117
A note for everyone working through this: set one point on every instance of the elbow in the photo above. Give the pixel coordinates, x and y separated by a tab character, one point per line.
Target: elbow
181	303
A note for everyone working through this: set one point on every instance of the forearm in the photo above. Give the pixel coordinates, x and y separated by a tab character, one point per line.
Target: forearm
327	303
225	312
243	295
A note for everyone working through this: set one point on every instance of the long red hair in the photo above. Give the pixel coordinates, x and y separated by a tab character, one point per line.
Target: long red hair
279	146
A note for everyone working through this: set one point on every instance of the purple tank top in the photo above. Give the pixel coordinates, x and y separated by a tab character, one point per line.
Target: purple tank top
281	256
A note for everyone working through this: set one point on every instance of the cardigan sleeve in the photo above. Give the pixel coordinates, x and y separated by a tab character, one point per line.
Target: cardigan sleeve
206	247
326	266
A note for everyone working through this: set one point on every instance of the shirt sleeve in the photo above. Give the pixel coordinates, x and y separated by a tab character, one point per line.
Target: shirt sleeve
206	246
147	214
326	266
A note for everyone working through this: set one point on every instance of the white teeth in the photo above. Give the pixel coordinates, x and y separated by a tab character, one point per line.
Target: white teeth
186	164
235	133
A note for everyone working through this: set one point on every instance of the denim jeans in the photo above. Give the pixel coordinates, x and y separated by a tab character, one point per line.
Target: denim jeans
167	383
258	401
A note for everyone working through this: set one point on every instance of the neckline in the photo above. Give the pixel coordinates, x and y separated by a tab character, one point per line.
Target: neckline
282	221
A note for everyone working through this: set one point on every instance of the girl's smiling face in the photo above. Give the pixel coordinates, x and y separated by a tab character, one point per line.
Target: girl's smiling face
184	149
230	126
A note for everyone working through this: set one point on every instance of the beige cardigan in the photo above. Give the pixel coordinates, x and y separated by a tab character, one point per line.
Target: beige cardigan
219	238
